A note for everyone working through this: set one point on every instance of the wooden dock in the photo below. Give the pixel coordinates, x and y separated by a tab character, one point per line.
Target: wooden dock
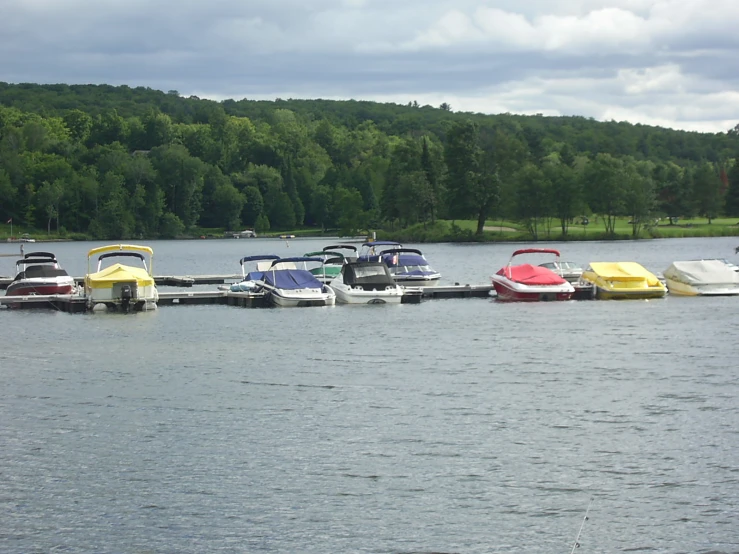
183	281
78	303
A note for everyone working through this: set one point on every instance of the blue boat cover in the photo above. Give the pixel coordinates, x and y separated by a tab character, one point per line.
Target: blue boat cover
291	279
403	259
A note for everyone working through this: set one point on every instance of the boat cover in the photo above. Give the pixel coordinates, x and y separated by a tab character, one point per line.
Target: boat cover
624	271
117	273
254	276
531	275
367	275
702	272
392	260
41	272
291	279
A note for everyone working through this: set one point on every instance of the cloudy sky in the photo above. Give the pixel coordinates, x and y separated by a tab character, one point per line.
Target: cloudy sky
672	63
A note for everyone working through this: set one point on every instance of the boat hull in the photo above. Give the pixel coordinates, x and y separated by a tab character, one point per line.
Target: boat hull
142	298
355	295
45	288
510	291
623	281
417	281
302	299
602	293
682	289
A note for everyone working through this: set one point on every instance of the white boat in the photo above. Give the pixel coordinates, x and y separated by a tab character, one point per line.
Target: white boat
701	278
366	283
408	266
732	266
289	285
120	286
570	271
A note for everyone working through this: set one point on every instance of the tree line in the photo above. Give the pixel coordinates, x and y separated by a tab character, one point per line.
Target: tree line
116	162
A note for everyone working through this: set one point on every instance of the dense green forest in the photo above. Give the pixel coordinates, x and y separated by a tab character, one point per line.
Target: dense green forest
119	162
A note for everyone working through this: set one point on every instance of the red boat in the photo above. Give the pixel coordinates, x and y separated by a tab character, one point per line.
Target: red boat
39	273
531	283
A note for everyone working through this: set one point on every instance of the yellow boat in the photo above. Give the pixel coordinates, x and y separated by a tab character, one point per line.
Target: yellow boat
119	286
617	280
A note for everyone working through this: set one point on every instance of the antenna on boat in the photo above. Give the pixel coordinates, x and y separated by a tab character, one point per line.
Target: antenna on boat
584	519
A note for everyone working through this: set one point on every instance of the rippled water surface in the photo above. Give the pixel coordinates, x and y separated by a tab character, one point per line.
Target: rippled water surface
450	426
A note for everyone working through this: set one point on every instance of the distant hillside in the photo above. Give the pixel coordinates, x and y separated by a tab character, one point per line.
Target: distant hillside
120	162
584	135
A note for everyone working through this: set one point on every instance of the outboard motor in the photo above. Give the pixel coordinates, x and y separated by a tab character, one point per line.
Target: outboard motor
126	295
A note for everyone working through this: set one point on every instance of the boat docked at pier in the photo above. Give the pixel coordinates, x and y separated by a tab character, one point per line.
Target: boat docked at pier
701	278
530	283
288	282
330	268
252	278
567	270
408	266
121	286
39	273
622	280
363	282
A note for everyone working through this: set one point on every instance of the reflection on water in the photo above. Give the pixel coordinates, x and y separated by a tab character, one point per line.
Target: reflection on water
450	426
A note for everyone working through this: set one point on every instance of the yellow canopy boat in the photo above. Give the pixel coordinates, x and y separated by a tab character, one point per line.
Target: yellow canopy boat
121	286
615	280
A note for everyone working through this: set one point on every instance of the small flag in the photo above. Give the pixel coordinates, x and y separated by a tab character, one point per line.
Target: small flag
10	220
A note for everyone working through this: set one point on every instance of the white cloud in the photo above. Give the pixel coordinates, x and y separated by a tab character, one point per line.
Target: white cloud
654	61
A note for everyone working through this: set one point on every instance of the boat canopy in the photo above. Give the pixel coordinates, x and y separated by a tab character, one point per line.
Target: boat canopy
339	246
370	252
402	251
531	275
296	259
624	272
121	248
291	279
122	254
535	251
370	244
40	255
29	261
367	274
260	257
337	257
702	272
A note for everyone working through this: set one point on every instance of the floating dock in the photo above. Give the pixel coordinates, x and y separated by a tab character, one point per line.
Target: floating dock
78	303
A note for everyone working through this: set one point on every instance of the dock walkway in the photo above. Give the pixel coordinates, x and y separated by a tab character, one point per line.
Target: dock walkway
78	303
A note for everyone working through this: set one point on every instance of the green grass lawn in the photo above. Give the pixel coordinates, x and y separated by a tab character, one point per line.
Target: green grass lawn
495	230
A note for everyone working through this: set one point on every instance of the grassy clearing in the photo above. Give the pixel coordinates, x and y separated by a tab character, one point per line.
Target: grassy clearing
497	230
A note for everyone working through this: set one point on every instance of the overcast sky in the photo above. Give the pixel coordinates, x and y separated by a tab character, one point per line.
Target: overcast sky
673	63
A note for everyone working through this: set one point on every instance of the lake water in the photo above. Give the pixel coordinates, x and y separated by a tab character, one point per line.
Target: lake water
461	425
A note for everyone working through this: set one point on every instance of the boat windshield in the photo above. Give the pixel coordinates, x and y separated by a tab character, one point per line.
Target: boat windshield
113	255
412	269
367	271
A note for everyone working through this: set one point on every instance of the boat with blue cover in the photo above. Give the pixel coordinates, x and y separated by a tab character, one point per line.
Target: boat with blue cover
251	279
408	266
288	282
